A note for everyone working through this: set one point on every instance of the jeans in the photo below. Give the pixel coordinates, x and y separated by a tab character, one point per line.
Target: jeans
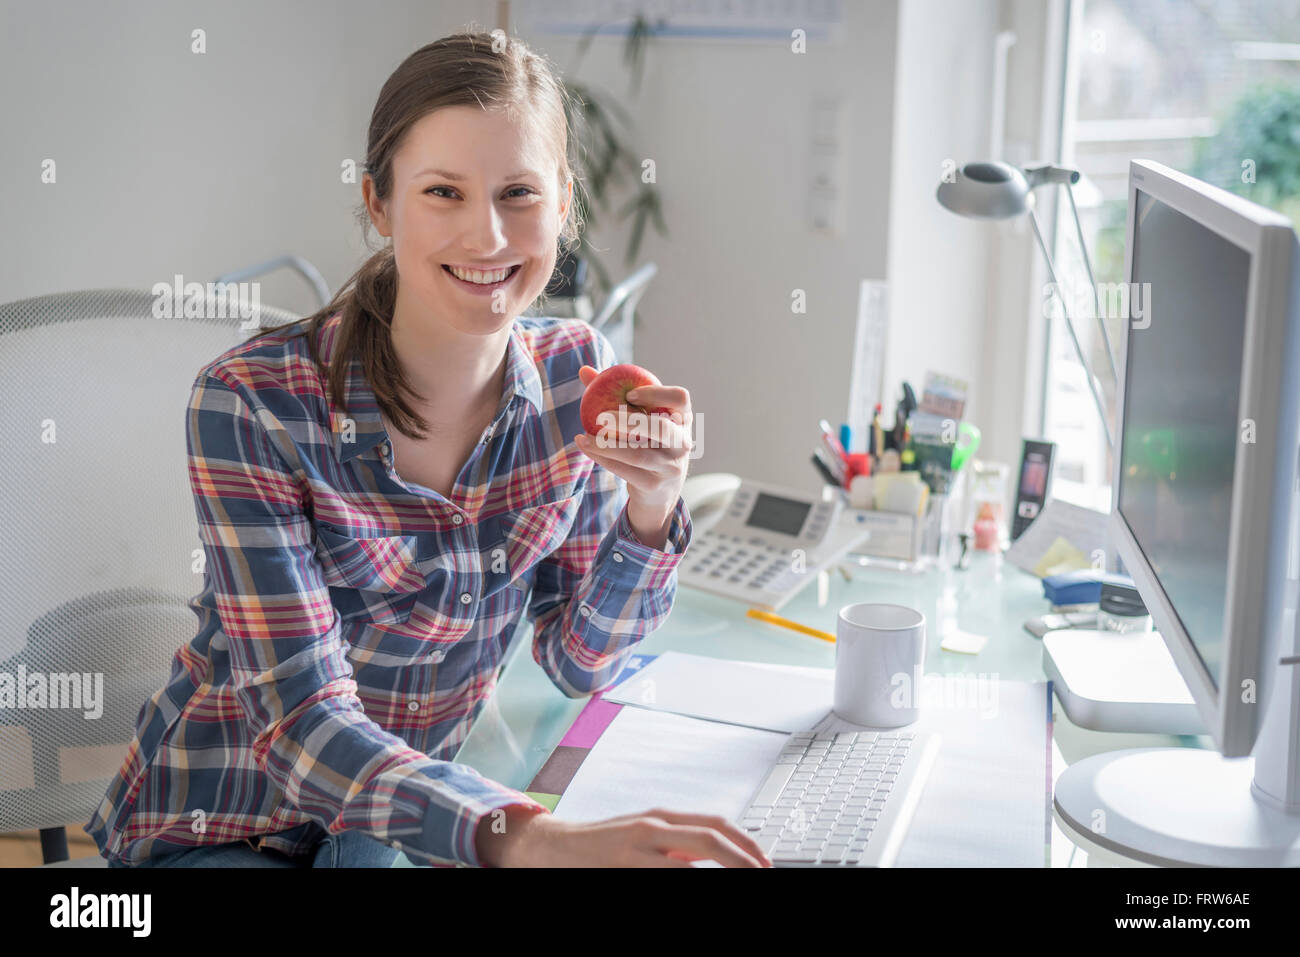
345	849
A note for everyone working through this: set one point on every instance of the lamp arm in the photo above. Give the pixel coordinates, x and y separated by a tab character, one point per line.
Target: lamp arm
1092	283
1069	323
1045	173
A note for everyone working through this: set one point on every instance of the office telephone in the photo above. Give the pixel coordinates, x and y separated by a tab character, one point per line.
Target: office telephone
760	543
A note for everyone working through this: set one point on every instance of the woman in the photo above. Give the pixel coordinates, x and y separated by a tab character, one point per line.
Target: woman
379	489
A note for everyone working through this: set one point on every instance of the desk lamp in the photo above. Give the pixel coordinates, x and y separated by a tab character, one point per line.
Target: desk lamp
991	190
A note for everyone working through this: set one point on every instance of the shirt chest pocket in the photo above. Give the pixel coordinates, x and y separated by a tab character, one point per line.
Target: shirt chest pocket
535	532
384	570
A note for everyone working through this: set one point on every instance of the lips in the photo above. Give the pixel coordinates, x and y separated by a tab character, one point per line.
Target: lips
482	288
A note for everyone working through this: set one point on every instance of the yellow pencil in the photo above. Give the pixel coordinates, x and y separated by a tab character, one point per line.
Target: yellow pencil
787	623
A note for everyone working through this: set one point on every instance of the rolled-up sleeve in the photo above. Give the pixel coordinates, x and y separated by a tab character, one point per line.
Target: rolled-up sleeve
289	670
602	590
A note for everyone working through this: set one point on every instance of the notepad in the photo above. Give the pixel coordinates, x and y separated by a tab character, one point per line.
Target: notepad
773	698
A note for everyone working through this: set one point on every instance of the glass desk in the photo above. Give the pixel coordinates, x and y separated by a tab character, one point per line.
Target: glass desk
526	718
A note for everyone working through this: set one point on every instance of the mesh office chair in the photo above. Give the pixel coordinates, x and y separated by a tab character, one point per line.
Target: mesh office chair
99	546
616	315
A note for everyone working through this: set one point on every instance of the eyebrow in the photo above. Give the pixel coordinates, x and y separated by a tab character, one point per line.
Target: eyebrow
457	178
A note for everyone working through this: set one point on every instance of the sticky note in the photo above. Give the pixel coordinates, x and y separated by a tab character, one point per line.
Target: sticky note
963	642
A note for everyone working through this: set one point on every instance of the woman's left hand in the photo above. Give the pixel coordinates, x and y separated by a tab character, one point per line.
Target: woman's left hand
652	460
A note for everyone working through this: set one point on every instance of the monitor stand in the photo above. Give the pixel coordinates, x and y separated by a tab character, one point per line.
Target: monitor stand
1193	807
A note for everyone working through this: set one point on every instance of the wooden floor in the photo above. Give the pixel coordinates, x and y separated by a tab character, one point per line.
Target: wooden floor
23	848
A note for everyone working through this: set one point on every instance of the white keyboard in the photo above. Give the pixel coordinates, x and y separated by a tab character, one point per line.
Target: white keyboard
840	799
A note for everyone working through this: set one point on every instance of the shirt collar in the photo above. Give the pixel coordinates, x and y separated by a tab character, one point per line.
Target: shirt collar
362	427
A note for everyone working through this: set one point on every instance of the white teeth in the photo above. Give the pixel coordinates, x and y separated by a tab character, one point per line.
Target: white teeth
478	276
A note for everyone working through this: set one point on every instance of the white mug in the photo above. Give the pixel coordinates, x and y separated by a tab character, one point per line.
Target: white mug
879	653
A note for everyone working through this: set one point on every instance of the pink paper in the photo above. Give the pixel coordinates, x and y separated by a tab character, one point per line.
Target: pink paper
591	723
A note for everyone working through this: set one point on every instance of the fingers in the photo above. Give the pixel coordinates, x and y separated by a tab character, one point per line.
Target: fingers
701	842
652	460
728	829
653	432
634	475
657	396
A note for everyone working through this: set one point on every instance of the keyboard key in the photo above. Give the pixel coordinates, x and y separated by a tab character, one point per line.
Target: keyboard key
773	786
795	857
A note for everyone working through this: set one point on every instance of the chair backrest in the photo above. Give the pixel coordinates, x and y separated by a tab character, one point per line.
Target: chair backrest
616	315
99	546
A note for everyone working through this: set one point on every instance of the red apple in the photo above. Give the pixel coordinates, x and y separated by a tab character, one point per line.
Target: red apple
609	390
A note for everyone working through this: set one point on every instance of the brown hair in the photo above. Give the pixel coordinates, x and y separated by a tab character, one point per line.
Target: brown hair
462	69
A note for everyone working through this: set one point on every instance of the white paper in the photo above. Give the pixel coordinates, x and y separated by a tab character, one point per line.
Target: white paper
868	358
647	759
774	698
1084	528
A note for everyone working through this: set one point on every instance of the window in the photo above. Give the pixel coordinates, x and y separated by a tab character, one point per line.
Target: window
1211	89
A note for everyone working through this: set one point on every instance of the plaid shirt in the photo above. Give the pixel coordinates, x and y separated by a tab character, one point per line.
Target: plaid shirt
352	625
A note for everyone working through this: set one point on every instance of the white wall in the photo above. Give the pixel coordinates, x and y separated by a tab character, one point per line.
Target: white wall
168	161
938	262
728	127
1015	347
172	162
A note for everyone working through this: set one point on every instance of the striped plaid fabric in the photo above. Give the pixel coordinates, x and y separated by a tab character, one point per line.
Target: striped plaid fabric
351	625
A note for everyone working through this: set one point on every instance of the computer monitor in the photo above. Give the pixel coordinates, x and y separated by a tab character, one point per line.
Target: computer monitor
1205	482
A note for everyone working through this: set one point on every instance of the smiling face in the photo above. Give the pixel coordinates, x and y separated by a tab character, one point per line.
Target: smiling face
475	213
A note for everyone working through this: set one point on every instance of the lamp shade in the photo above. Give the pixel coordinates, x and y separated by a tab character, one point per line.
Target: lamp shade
986	191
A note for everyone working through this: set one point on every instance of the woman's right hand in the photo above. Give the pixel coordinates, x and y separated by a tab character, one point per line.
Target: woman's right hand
655	838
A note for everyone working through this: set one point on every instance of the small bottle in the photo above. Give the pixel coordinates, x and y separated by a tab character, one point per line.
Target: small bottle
986	529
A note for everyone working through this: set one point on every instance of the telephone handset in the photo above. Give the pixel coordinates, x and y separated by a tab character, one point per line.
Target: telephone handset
760	543
707	497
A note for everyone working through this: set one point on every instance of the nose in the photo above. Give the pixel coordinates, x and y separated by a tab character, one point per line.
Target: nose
484	229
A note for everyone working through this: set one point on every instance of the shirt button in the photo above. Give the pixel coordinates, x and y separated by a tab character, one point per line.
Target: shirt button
618	556
413	706
584	611
466	598
457	519
384	449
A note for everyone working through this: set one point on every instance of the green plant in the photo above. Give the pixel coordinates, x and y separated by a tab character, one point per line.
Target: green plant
602	128
1256	152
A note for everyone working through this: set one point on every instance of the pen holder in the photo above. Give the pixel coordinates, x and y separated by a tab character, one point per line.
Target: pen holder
894	540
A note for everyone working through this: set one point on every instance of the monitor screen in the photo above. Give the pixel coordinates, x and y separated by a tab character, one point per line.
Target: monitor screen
1180	430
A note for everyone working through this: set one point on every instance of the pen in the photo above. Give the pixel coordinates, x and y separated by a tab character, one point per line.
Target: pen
834	464
829	437
839	464
787	623
823	471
